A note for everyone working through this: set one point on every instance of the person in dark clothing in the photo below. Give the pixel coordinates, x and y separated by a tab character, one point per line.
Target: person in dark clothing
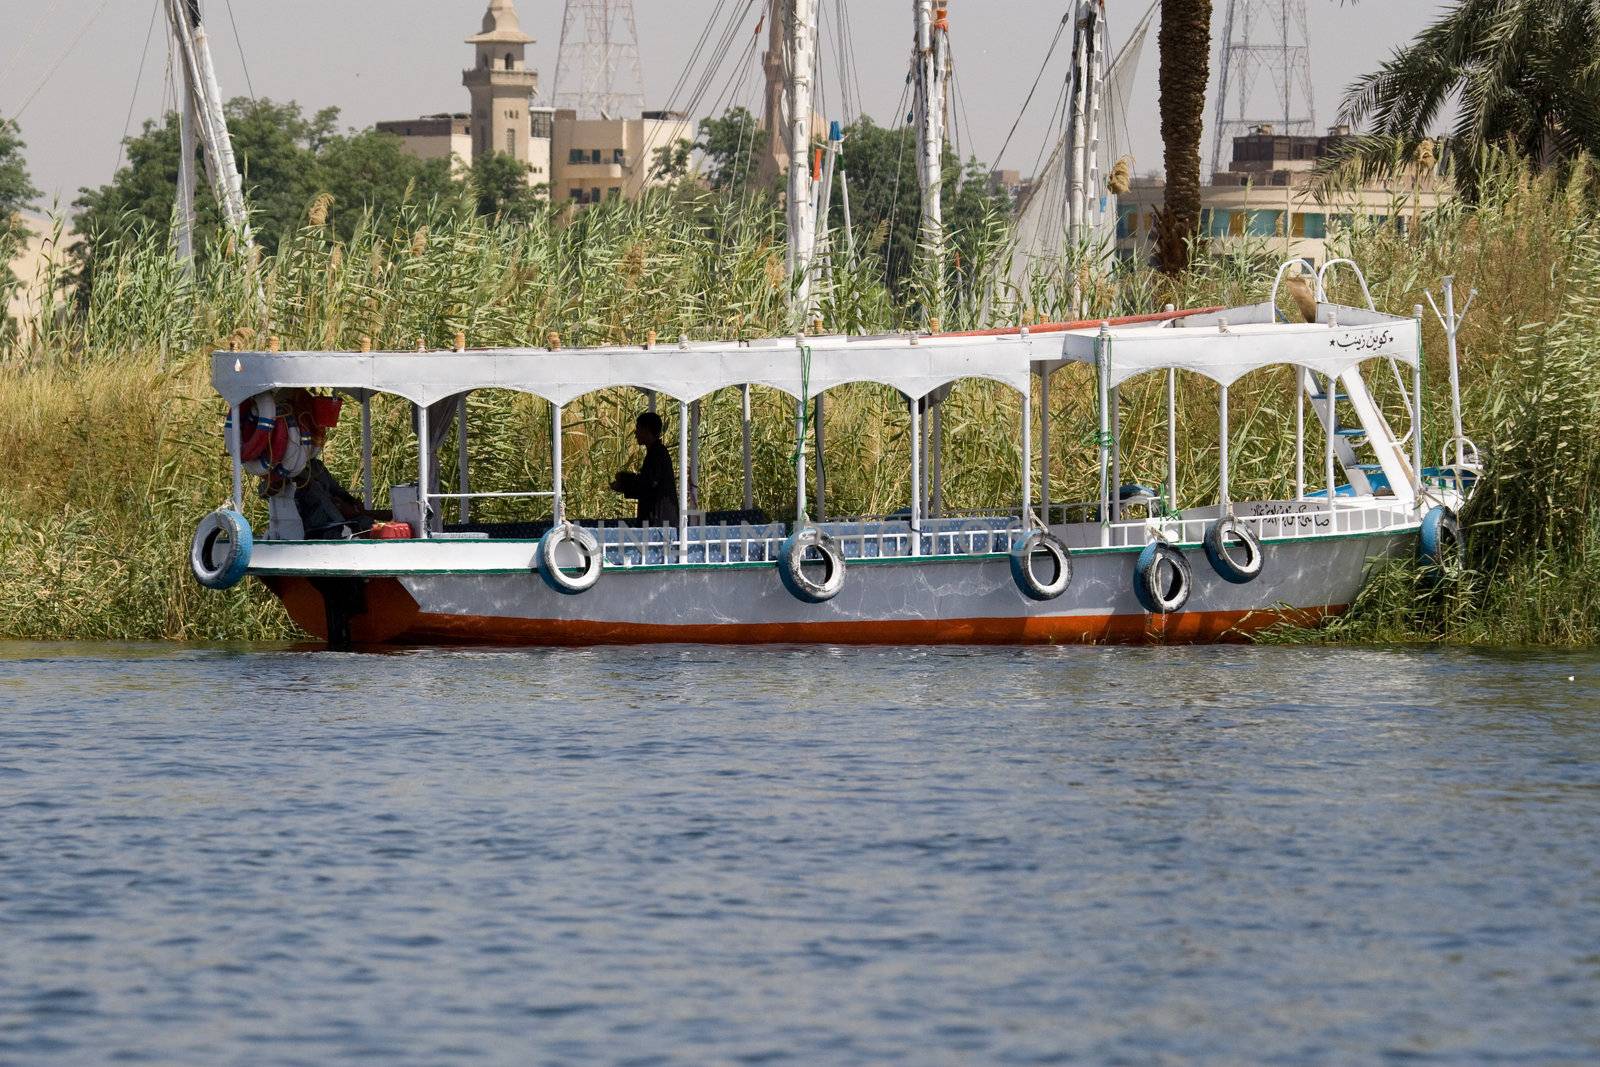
326	509
654	485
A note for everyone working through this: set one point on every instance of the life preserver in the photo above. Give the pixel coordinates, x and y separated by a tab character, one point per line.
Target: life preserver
791	555
260	428
1161	578
1229	567
1040	543
587	547
220	552
1438	540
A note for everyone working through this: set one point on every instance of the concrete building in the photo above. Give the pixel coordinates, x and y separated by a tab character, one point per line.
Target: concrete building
579	160
1265	195
593	159
445	136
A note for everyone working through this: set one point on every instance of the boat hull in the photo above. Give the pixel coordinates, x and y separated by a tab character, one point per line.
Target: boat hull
959	600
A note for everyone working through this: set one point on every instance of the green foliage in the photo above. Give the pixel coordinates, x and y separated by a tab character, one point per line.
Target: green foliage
1524	72
16	193
500	188
732	147
286	160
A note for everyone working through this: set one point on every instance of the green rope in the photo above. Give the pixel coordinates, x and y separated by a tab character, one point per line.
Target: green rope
803	423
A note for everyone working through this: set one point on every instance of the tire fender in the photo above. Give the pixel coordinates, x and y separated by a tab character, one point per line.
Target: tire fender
1226	541
1038	543
587	546
220	553
1162	579
801	585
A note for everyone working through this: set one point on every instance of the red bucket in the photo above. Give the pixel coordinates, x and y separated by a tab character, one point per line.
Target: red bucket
325	411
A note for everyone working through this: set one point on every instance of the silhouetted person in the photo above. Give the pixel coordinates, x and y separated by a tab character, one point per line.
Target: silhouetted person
327	510
654	486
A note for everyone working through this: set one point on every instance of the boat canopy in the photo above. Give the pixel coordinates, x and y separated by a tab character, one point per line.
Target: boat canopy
798	367
1227	345
1223	346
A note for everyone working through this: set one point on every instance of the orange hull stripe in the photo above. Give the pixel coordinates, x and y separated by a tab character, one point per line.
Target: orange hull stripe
393	617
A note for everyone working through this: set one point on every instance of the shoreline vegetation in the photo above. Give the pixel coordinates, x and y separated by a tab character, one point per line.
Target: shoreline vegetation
111	447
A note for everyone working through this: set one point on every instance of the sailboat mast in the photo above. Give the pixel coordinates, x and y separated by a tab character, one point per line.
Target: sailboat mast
930	72
800	51
203	106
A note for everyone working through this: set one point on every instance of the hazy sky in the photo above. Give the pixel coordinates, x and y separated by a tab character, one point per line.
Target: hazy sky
379	59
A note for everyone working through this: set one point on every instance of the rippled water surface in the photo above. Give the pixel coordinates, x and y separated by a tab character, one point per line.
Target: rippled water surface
708	855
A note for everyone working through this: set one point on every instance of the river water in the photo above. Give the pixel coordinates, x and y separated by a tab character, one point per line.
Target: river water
812	856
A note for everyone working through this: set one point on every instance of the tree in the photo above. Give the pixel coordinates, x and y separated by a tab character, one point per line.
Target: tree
1185	45
16	193
286	160
500	188
1526	73
886	205
670	162
731	145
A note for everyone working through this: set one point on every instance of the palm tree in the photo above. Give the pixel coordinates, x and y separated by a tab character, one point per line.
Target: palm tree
1526	73
1185	46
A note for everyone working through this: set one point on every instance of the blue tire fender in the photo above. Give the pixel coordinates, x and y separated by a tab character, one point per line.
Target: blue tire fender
220	553
1024	571
791	555
1439	537
1234	552
1162	580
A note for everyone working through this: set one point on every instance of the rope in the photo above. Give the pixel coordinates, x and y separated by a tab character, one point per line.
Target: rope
239	44
1037	78
138	79
804	421
62	58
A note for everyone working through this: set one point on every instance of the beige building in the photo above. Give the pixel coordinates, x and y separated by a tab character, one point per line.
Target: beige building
593	159
1265	196
579	160
443	136
32	263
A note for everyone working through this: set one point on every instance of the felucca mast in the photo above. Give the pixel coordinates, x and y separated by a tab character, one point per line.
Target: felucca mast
930	69
202	113
799	54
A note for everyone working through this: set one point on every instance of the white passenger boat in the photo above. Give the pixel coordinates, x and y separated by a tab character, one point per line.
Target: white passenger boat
1128	566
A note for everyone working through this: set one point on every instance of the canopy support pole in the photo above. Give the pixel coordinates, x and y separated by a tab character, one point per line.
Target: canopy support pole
1172	439
1331	393
936	465
366	449
1103	373
694	453
1027	457
683	482
423	448
1222	450
821	471
916	477
744	432
558	499
1116	453
799	463
1300	434
463	504
234	431
1416	408
1044	443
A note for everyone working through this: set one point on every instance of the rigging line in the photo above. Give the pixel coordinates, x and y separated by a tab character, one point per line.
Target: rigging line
729	89
27	40
899	159
138	80
239	43
855	66
1037	78
62	58
694	56
1058	117
713	67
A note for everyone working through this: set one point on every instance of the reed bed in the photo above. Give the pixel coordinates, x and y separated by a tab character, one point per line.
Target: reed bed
111	445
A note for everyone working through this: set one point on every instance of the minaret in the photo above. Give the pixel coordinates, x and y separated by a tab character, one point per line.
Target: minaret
501	84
